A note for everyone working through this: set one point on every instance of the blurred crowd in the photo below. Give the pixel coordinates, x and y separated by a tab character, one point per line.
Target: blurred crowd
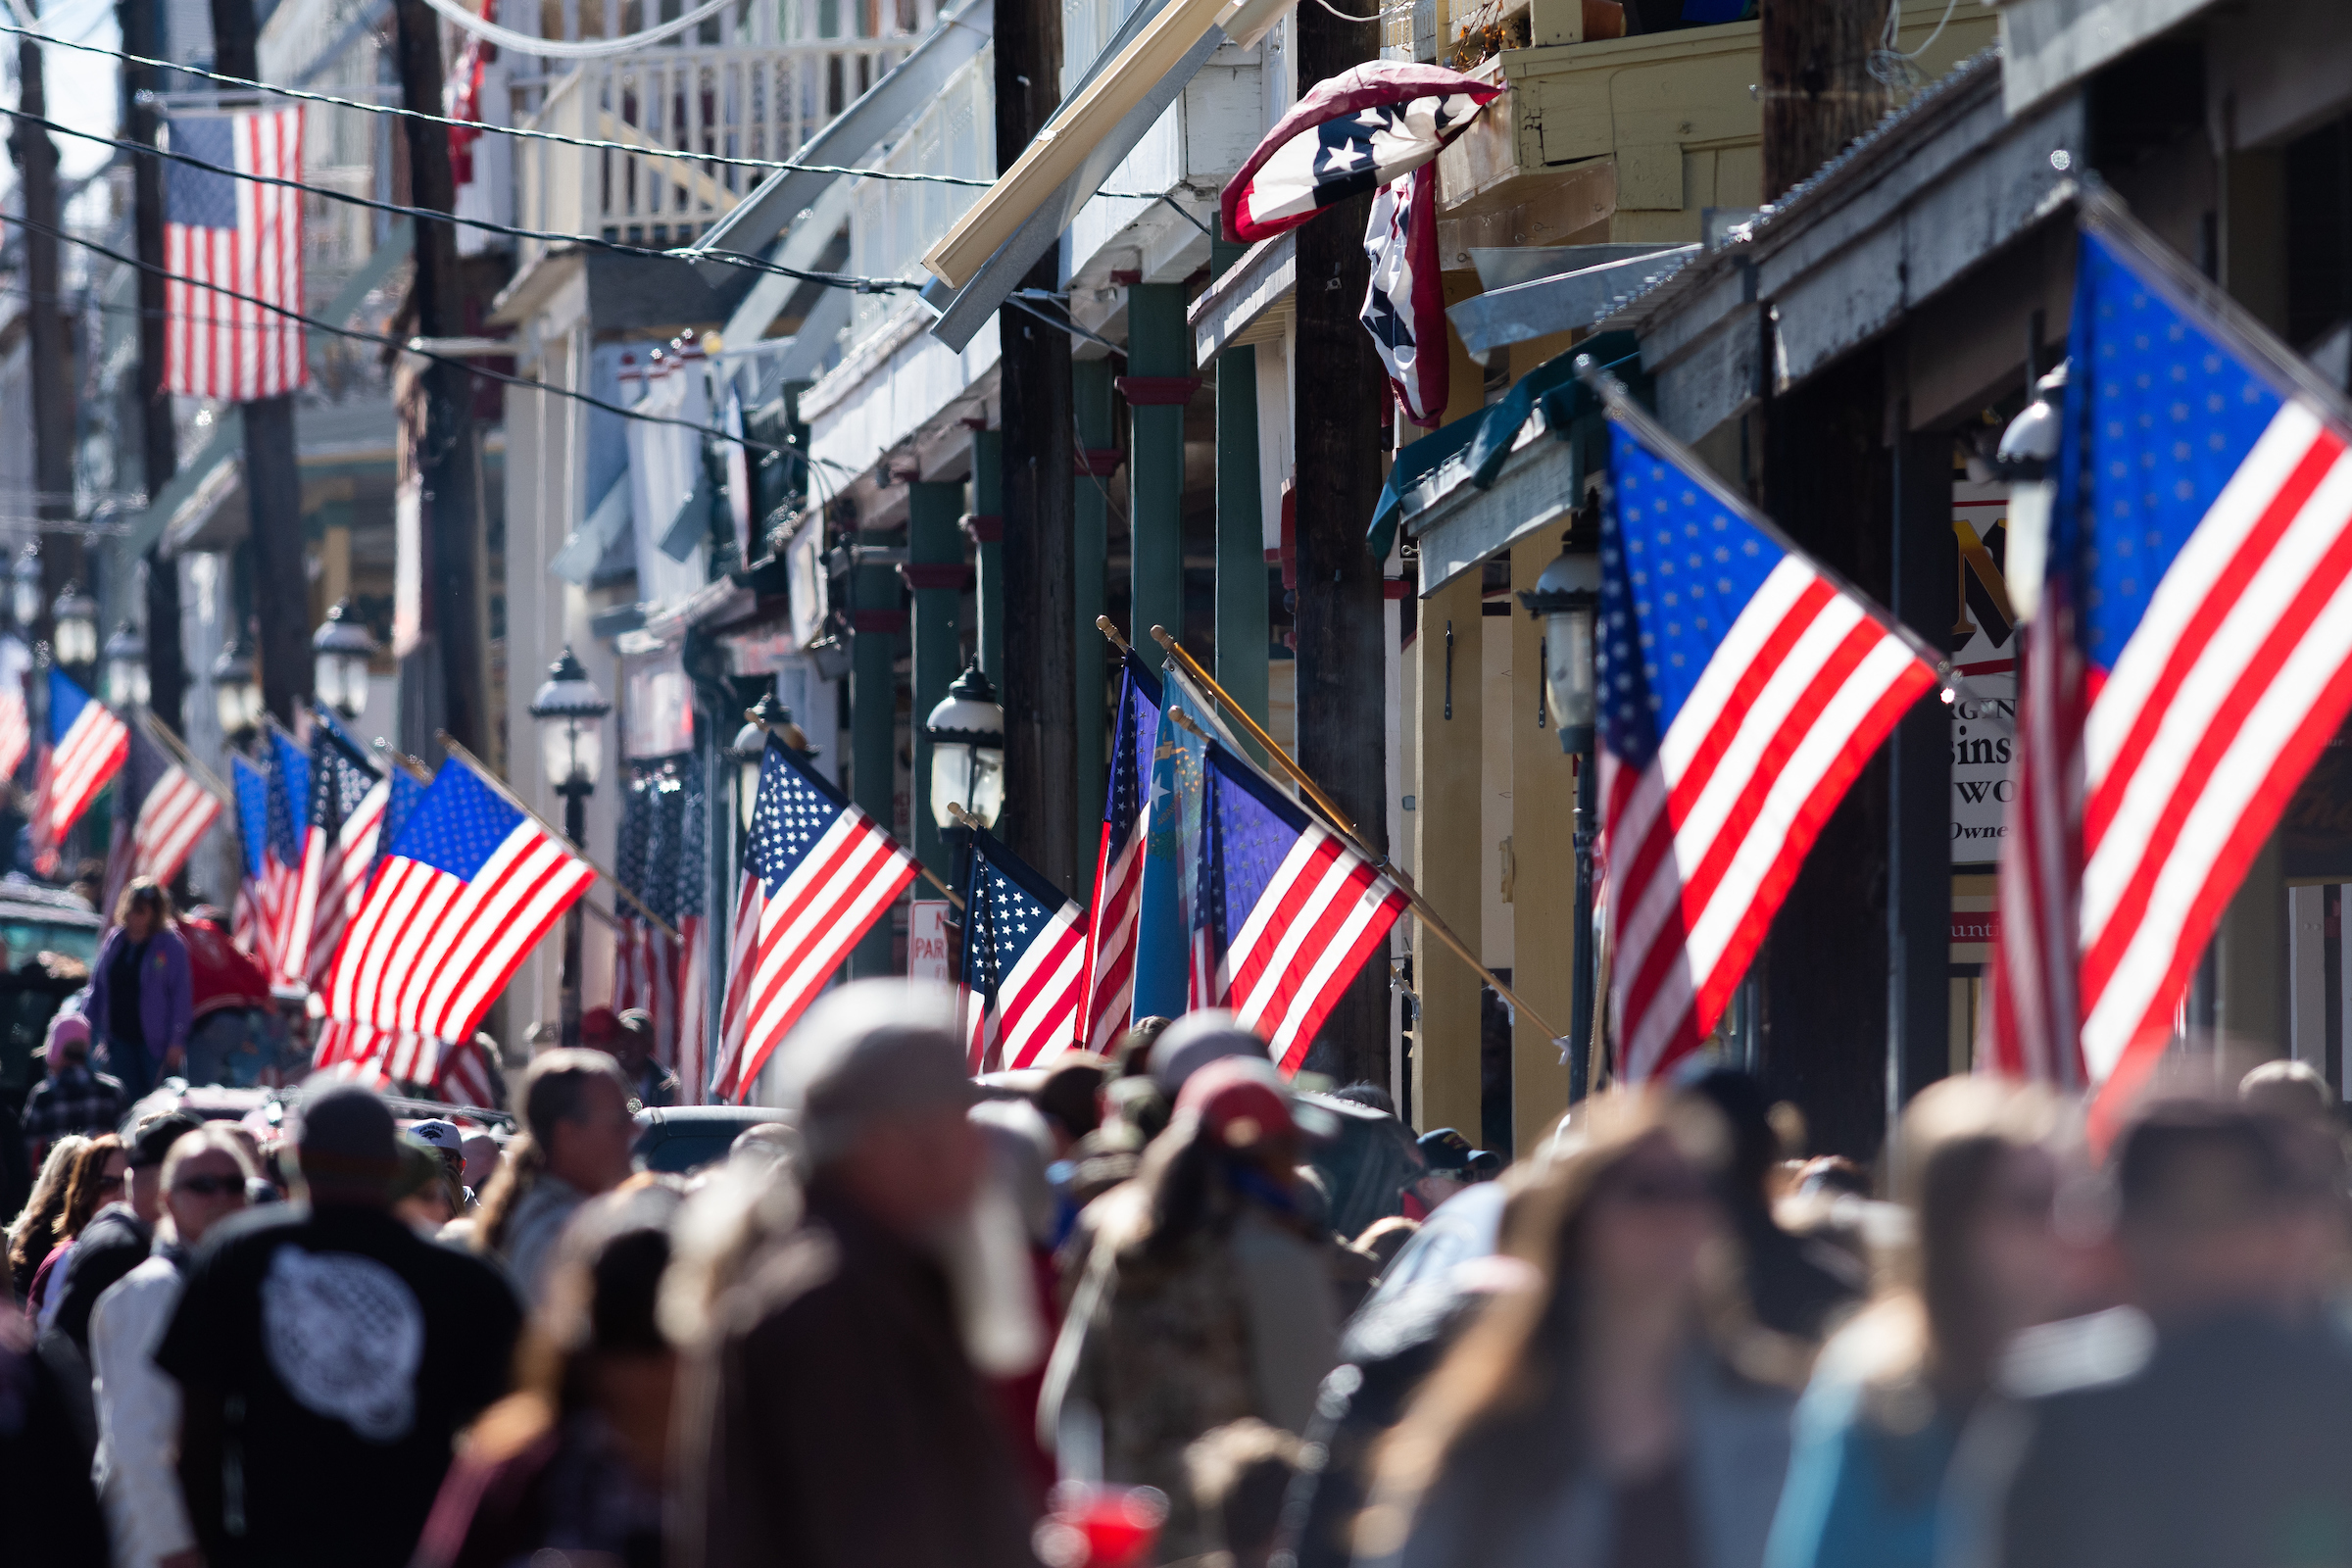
1162	1307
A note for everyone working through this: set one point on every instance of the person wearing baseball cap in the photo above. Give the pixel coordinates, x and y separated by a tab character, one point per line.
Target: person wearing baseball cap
1207	1296
1450	1162
649	1083
843	1420
329	1356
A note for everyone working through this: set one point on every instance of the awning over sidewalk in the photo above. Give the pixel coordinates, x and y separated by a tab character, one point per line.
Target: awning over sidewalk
1251	303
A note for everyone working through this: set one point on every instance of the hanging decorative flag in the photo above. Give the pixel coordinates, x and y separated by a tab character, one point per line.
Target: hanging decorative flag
1405	306
1742	690
827	872
161	811
472	885
1024	961
347	797
87	745
288	773
1119	863
1289	910
239	234
1354	132
2191	658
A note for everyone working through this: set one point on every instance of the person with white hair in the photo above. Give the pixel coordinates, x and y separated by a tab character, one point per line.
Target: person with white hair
137	1463
835	1412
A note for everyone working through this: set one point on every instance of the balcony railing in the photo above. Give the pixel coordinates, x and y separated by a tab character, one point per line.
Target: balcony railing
756	84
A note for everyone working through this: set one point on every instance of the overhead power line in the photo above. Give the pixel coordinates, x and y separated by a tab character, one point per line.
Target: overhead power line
383	340
861	285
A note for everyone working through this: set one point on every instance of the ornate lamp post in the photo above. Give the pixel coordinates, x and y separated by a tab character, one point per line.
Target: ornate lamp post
340	652
570	713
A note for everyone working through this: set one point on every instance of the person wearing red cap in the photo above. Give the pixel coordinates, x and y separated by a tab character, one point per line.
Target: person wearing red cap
1207	1297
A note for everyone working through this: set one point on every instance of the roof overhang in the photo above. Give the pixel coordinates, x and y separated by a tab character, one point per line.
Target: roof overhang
1521	312
2050	45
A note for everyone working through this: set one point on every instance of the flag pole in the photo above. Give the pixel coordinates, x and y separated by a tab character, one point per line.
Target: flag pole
1421	912
408	765
474	765
777	732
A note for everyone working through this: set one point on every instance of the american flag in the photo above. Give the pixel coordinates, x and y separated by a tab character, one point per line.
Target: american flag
1024	961
1742	690
87	746
251	927
347	797
664	838
1287	910
15	728
286	800
727	1081
456	1074
827	872
400	803
237	235
470	886
634	941
161	813
690	876
1119	863
2191	657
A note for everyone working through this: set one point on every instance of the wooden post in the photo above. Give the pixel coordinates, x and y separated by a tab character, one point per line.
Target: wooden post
934	571
53	398
158	447
1818	91
1158	384
1919	848
876	622
456	610
1090	674
1544	939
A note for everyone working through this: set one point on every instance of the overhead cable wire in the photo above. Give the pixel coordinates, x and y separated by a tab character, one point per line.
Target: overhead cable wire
861	285
591	143
410	346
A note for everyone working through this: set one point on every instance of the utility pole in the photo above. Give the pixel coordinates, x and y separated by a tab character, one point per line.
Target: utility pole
1341	408
1818	91
53	400
158	447
1041	767
456	611
273	482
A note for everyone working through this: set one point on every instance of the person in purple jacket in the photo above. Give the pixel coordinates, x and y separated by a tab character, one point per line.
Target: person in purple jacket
142	995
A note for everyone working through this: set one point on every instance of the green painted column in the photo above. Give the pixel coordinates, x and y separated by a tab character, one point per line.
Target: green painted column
876	622
987	527
1090	552
1244	631
934	570
1158	384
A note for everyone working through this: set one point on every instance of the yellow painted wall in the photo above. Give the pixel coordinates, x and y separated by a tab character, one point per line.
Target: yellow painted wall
1448	828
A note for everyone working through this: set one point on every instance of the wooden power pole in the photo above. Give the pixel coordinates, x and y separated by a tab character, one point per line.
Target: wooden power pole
273	482
456	609
159	448
1341	408
1818	91
1041	626
53	400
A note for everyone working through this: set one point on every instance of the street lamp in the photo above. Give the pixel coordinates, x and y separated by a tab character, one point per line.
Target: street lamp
966	732
571	711
2027	459
749	749
76	633
25	588
1567	601
127	668
341	651
236	694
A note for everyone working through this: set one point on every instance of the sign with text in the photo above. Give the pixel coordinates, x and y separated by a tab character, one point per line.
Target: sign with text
1985	658
927	953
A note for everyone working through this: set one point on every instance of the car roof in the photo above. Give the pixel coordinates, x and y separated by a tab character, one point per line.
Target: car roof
24	899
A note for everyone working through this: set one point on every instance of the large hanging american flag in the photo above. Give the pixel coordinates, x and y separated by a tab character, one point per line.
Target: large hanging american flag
347	797
237	235
2191	657
1024	961
1741	689
161	812
1119	863
1287	910
470	886
827	872
87	746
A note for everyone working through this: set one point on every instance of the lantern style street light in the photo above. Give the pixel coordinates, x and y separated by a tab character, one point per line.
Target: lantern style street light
127	668
1566	599
25	588
75	637
2028	459
341	651
570	713
966	731
236	694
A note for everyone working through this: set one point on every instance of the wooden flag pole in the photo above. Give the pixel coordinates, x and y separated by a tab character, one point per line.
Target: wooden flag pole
800	744
408	765
474	765
1340	821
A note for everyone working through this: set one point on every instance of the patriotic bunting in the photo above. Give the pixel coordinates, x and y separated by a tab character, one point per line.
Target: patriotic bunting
1354	132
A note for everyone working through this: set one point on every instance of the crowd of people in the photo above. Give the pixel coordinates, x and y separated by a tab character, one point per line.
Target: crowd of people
1102	1317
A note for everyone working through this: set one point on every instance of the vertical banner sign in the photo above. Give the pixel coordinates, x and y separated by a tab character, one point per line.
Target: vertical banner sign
1985	658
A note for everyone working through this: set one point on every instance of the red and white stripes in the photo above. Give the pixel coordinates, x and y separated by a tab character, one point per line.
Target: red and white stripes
232	349
1323	911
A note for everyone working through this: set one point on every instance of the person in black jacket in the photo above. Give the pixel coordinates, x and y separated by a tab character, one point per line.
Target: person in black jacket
120	1236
